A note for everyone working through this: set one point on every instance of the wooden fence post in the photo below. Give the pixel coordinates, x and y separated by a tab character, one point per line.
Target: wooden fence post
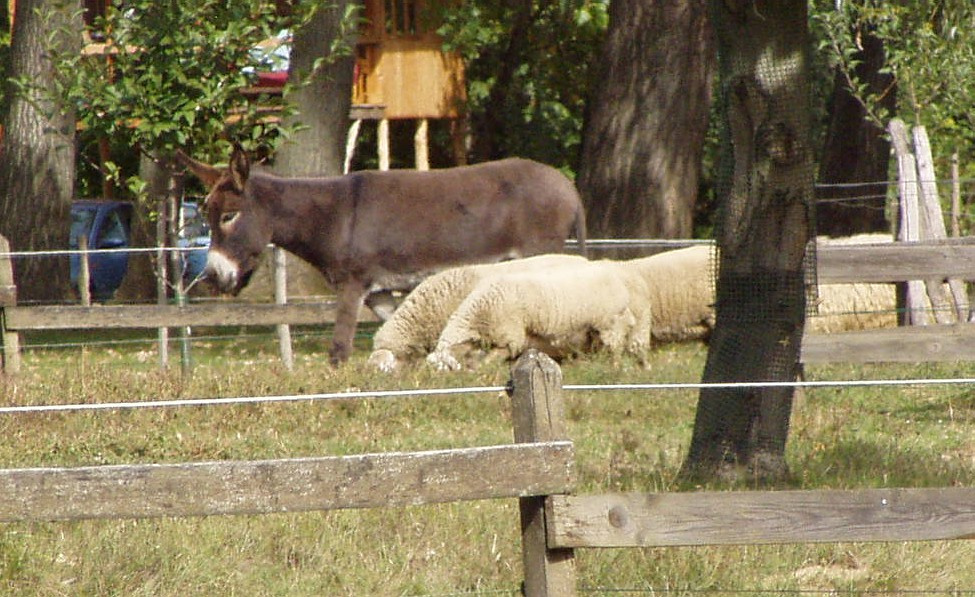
538	415
8	298
956	309
162	275
910	229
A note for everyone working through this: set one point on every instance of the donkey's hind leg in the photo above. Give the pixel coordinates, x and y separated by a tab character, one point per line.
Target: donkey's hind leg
350	296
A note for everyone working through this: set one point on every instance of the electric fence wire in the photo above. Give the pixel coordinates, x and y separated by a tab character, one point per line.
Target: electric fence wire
382	394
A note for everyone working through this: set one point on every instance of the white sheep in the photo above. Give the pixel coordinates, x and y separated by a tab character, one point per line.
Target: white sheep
412	330
681	287
848	307
852	307
561	311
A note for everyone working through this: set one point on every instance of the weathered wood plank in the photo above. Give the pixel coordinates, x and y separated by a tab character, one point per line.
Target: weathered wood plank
723	518
895	262
909	225
537	415
9	339
209	488
8	295
154	316
955	342
955	307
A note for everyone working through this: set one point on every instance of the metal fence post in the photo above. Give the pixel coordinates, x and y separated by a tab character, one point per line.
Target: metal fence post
281	298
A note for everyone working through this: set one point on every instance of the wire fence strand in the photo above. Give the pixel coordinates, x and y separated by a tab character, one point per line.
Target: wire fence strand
383	394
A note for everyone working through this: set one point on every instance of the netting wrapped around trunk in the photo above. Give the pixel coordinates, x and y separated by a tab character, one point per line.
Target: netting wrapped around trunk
765	236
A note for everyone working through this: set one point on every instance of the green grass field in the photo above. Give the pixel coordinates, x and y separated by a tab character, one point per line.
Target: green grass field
841	438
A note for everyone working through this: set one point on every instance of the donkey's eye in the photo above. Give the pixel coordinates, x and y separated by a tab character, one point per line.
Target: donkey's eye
228	217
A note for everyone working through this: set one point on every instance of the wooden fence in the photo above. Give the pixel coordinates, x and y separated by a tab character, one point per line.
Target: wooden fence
15	319
537	469
935	261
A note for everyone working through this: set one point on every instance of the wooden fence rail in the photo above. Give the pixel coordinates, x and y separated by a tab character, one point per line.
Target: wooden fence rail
896	261
285	485
760	517
938	261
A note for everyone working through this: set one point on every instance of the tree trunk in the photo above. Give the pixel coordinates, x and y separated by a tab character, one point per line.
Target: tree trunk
489	129
647	119
323	103
37	166
764	223
140	279
856	151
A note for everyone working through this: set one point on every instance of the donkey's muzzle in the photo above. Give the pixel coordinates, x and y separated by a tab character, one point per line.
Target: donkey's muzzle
224	273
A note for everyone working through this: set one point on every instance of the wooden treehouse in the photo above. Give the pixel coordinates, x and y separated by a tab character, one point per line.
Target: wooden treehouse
402	73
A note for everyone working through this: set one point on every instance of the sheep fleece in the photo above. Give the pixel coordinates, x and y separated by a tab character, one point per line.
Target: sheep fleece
414	327
681	292
560	311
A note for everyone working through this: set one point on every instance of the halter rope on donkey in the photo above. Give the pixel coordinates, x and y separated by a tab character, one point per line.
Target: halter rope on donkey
365	226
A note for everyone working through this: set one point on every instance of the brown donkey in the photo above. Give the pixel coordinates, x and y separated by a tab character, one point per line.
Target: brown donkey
360	228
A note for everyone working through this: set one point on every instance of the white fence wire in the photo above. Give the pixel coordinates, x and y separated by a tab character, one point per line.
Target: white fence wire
427	392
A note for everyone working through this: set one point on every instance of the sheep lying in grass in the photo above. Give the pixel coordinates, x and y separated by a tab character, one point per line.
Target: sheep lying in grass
412	330
561	311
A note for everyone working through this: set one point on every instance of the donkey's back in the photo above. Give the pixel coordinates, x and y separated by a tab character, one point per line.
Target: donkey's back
408	220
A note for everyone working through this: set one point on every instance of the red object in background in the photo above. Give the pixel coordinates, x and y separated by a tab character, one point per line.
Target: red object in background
272	79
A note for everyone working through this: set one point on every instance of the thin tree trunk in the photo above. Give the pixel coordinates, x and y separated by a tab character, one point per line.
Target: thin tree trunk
646	122
489	129
37	168
323	104
856	150
764	225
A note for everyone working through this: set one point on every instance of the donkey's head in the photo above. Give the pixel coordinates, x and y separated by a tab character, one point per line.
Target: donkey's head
240	226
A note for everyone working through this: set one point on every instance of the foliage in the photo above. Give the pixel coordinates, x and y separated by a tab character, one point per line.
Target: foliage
542	108
5	16
170	75
930	52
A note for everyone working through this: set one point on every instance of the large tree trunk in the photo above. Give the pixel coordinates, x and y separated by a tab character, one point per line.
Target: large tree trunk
764	223
37	156
323	103
647	119
856	151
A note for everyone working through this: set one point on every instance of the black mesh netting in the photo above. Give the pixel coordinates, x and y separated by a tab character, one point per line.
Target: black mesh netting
765	238
765	261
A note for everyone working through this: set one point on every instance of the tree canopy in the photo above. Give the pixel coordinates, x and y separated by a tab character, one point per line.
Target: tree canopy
529	70
169	75
929	52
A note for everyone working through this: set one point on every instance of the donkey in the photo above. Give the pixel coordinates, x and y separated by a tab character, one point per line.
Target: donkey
359	228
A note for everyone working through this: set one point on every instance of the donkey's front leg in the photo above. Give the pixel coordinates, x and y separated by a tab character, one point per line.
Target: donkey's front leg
350	296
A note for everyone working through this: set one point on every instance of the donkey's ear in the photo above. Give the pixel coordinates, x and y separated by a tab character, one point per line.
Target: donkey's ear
207	174
240	168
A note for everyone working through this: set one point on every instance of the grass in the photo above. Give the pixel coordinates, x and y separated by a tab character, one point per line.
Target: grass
913	436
